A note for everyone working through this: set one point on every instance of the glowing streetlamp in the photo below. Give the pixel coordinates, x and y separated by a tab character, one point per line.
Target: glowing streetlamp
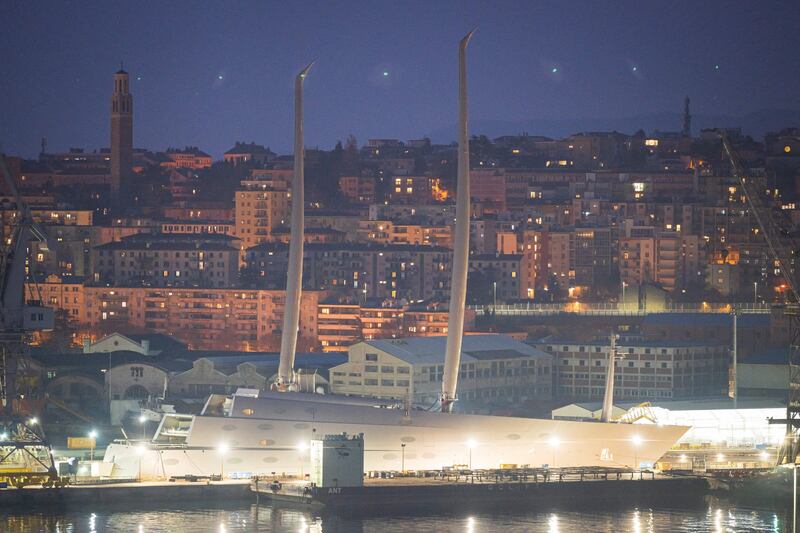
302	447
623	293
93	443
636	440
33	421
143	422
222	449
140	451
554	442
471	443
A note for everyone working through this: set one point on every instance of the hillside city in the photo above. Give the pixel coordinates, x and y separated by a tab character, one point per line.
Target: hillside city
569	239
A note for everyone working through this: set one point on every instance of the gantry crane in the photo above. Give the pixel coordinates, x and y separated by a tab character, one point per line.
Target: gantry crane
783	244
25	456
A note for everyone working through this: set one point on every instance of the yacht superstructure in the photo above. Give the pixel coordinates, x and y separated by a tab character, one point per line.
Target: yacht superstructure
241	436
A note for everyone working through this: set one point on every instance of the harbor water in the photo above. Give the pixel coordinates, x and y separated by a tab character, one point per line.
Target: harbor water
245	517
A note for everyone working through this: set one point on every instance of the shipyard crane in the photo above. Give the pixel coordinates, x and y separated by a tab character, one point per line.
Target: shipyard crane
25	456
783	245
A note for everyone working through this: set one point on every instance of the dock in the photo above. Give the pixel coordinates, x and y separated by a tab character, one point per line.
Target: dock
147	492
530	488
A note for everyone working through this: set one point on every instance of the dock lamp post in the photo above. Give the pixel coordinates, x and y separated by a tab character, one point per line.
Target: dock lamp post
140	451
222	449
302	447
554	442
403	457
471	443
636	440
143	422
93	443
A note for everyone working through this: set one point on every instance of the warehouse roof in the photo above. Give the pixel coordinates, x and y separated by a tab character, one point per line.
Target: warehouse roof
430	350
706	319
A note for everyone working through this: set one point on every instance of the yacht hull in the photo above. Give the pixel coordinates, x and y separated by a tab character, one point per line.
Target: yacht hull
262	436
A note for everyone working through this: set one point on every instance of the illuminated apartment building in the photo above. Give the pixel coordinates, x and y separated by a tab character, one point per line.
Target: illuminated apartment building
168	260
230	319
262	206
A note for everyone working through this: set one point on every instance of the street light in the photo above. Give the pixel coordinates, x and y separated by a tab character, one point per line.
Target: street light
755	292
222	449
494	294
140	451
143	422
471	443
636	440
623	293
302	447
33	421
93	443
403	457
554	442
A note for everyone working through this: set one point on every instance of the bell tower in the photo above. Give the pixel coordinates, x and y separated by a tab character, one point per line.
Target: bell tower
121	132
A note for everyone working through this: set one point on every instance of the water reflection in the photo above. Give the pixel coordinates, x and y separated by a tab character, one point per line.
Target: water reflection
247	518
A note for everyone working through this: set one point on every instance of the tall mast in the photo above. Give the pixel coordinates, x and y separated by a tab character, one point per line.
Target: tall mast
608	399
458	284
294	276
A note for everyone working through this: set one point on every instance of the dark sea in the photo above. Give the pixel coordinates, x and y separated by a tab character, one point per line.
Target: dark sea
713	516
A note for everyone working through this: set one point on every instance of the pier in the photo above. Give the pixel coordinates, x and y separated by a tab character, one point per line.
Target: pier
528	487
135	493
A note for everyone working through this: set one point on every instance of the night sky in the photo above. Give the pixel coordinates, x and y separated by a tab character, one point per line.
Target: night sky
211	73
